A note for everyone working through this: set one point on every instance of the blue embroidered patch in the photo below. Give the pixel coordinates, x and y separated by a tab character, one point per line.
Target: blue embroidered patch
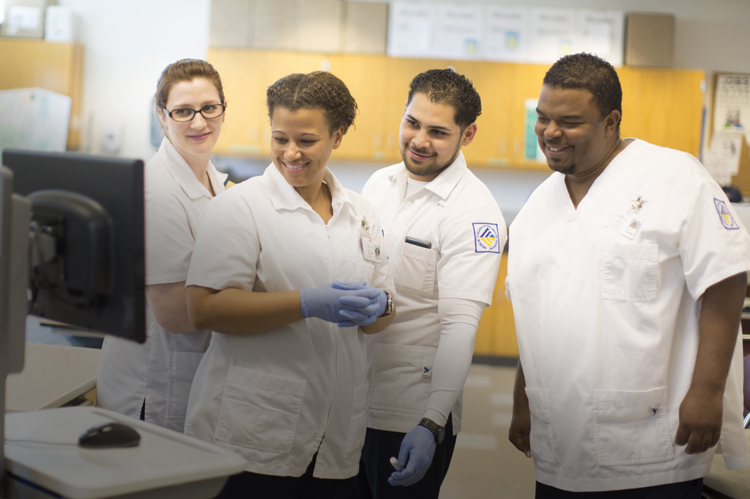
486	238
727	220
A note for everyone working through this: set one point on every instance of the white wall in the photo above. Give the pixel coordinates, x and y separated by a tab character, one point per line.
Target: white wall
128	42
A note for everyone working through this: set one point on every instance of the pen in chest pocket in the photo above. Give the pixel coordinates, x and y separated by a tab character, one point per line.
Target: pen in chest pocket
418	242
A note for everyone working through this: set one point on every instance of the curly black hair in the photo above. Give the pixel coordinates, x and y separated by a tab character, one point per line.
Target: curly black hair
445	86
316	90
588	72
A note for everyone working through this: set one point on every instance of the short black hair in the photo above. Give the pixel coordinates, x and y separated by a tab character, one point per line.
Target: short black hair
445	86
588	72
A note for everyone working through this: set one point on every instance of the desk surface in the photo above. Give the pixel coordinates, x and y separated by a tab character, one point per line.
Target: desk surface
52	375
165	464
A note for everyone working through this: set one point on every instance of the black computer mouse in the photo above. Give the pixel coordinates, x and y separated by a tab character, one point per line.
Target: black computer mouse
108	436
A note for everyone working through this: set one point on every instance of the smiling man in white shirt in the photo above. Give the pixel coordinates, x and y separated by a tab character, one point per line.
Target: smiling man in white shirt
444	236
627	273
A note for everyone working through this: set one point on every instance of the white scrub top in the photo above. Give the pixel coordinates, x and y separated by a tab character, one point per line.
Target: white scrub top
458	215
279	396
606	305
162	369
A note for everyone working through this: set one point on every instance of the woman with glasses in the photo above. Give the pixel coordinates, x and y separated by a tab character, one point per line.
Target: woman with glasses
152	381
289	273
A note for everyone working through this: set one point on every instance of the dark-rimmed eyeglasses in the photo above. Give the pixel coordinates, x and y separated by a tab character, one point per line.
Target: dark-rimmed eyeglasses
208	112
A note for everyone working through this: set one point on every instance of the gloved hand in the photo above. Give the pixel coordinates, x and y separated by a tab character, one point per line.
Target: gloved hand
361	312
324	302
417	449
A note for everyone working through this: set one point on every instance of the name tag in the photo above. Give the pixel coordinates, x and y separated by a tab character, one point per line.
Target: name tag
626	224
370	250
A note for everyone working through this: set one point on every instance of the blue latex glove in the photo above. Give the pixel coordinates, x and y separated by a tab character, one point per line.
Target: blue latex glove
415	454
361	312
356	319
324	302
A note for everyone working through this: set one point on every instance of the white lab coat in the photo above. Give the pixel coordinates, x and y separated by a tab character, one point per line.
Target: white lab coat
278	397
162	369
607	319
458	215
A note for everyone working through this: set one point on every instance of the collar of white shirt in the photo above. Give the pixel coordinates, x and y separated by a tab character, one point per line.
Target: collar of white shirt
184	175
443	184
285	197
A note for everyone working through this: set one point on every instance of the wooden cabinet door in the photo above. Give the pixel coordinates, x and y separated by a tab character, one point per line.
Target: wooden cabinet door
364	76
663	106
57	67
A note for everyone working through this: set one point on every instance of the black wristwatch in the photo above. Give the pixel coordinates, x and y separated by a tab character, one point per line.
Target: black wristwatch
436	429
388	305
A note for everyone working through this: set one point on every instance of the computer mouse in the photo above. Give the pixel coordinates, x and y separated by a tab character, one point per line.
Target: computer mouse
108	436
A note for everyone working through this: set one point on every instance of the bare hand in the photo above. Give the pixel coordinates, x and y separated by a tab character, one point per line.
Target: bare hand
700	421
520	427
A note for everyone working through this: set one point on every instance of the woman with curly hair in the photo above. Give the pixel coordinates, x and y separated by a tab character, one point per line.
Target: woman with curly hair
289	274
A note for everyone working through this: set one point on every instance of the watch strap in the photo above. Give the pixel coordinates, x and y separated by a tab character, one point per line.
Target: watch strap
437	430
388	305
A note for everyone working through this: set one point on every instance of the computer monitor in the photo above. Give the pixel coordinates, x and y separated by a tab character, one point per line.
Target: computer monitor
86	238
71	249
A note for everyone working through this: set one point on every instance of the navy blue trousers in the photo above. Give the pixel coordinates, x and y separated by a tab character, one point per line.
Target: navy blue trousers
681	490
375	467
256	486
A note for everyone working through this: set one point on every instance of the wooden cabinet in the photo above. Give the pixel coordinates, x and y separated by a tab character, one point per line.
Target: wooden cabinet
52	66
363	75
496	334
662	106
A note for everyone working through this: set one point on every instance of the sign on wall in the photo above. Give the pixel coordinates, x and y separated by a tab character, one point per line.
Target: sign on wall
502	33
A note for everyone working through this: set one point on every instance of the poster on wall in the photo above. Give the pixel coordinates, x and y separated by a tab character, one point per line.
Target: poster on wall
553	34
600	32
732	103
503	33
722	159
531	149
35	119
506	34
410	29
457	31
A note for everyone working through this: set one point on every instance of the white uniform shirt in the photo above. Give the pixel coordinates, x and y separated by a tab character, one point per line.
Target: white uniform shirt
162	369
607	319
458	215
279	396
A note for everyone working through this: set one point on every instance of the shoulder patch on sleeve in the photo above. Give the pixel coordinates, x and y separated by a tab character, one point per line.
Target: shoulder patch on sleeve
727	220
486	238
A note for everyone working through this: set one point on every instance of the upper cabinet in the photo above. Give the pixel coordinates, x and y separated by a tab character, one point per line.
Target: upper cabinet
57	67
662	106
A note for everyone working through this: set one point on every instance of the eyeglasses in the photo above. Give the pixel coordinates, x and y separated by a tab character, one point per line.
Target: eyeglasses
208	112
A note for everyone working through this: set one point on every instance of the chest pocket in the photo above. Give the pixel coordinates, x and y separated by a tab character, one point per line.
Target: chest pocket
416	269
629	271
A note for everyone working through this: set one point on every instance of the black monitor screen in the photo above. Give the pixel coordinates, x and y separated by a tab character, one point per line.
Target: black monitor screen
87	239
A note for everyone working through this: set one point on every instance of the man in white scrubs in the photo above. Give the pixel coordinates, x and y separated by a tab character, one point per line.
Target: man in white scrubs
627	273
444	236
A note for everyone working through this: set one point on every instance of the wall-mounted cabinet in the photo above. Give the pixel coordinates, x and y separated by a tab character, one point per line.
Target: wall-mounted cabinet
52	66
662	106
